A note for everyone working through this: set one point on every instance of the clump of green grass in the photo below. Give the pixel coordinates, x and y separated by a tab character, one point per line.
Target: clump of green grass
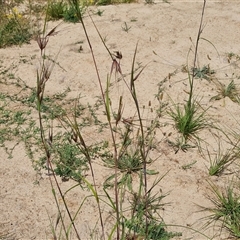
226	209
188	121
221	160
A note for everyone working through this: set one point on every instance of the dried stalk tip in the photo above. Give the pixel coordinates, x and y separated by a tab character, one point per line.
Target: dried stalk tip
42	41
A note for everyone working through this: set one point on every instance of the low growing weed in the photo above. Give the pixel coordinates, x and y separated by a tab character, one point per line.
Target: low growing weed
145	210
15	28
129	162
71	162
203	73
230	90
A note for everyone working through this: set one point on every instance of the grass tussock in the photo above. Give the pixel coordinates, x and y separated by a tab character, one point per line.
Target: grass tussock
226	208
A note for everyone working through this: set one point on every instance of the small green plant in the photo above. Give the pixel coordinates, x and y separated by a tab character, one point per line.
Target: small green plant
71	162
203	73
130	160
63	10
231	91
232	57
188	121
149	1
56	10
125	27
156	230
70	14
221	160
99	12
15	29
226	209
180	144
146	221
128	164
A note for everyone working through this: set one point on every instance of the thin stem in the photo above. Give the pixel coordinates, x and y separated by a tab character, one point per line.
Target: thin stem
79	15
195	53
42	78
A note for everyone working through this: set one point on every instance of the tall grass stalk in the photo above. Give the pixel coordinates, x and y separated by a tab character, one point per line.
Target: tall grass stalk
43	75
105	97
191	80
75	3
187	120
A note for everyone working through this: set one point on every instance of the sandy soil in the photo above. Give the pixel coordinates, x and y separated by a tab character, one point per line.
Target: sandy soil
163	33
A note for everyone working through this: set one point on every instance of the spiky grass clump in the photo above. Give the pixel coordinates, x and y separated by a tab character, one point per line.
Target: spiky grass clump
226	209
221	161
188	121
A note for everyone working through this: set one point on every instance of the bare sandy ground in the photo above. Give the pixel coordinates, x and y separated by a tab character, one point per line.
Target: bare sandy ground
163	33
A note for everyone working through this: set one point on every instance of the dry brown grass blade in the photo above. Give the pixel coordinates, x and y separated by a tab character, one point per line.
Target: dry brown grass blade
115	66
53	31
43	40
